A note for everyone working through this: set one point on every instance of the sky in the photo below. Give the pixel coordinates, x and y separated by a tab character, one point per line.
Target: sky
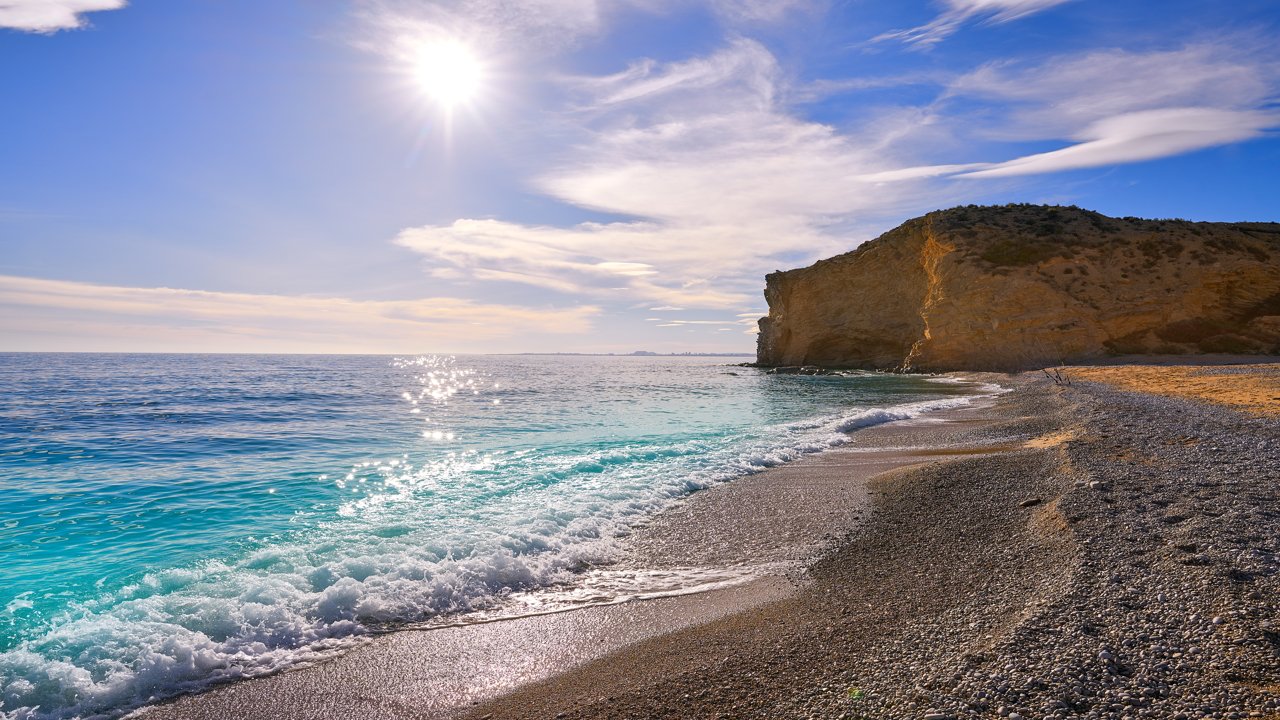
386	176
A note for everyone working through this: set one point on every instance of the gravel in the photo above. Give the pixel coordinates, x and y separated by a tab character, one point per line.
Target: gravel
1130	571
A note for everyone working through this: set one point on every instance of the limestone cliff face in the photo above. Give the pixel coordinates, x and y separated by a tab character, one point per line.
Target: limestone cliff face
993	288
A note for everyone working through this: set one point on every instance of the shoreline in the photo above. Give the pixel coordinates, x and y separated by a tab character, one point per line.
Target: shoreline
810	502
1123	562
1114	554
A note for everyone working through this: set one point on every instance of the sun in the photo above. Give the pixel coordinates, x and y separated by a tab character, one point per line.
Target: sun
448	72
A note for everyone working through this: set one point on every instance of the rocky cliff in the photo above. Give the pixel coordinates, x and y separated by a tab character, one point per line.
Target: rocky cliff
995	288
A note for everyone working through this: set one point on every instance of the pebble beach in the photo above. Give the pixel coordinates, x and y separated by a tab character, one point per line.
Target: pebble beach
1122	560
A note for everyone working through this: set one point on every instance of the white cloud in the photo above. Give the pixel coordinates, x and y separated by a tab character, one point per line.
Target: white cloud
1113	107
590	258
675	323
48	16
959	12
708	143
745	66
106	317
1062	95
1146	135
723	184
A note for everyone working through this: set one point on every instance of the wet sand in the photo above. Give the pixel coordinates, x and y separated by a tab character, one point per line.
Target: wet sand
776	521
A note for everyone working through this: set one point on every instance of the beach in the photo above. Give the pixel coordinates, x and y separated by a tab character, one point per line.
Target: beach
1055	551
640	360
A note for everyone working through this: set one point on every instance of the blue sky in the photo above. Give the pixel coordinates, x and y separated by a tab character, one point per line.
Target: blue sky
279	176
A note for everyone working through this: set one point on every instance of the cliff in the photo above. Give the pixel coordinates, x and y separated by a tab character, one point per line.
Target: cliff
1002	288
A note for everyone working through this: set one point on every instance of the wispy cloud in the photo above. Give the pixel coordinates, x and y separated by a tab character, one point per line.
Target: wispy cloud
745	322
744	63
1113	107
107	317
708	142
959	12
49	16
1062	95
1146	135
586	259
723	182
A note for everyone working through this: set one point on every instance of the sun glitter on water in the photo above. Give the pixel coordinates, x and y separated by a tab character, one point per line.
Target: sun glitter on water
448	72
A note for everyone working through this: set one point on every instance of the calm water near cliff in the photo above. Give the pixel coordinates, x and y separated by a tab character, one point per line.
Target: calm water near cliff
167	521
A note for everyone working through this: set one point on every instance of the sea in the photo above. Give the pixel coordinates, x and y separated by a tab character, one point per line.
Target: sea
172	521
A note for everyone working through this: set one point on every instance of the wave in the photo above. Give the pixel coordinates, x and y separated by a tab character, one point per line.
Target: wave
297	600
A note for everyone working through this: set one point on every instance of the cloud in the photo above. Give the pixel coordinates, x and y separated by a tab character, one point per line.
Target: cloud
1112	106
745	66
49	16
1146	135
708	142
1062	95
959	12
674	323
37	311
720	183
590	258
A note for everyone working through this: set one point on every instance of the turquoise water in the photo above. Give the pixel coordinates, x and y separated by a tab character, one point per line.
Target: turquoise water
167	521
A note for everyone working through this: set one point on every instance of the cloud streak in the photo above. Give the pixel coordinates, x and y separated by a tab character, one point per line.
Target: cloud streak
169	319
1062	95
1112	107
1146	135
50	16
959	12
